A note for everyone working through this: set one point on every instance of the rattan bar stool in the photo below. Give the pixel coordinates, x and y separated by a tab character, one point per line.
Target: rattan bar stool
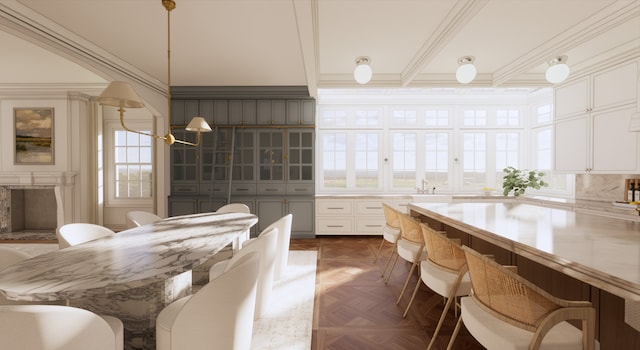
506	311
410	247
444	271
390	233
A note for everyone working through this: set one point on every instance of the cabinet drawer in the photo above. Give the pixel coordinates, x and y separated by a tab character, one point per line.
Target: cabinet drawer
271	189
300	189
335	208
184	189
342	225
369	208
243	189
369	226
216	190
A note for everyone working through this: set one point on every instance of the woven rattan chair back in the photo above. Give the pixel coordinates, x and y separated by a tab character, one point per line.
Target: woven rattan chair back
390	216
444	252
410	228
513	299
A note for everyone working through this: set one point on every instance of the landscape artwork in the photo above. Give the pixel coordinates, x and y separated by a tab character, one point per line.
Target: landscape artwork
34	135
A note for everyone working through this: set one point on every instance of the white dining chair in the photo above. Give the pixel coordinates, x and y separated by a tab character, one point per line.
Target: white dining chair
137	218
265	245
236	208
220	315
57	327
78	233
282	247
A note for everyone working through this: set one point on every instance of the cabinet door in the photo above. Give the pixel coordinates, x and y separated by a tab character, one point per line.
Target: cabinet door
271	155
571	144
182	206
268	210
294	111
308	112
572	99
300	155
615	149
244	156
263	112
220	112
615	87
184	165
303	220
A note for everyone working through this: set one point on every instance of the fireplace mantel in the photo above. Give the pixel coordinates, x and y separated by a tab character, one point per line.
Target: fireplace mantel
37	178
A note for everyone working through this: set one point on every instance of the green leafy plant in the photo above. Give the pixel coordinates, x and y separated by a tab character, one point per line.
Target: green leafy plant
517	181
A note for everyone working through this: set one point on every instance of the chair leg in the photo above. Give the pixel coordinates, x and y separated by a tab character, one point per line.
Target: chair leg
392	267
379	251
406	282
455	333
395	247
413	295
441	321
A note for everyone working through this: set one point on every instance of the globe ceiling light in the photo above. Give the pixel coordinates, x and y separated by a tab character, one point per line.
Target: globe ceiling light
363	72
466	71
558	70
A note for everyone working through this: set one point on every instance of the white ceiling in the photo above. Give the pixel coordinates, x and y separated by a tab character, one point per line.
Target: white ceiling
411	43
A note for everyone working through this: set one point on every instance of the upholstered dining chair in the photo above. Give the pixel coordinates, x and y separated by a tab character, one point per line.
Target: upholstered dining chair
506	311
410	247
444	272
282	247
77	233
137	218
390	233
219	315
265	245
236	208
57	327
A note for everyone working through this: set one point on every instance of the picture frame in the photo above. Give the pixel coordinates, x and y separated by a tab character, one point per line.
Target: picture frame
34	135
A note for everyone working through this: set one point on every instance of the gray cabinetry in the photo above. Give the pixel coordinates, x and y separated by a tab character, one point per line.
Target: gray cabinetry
260	153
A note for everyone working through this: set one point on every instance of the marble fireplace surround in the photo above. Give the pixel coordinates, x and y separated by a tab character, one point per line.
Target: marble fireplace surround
33	205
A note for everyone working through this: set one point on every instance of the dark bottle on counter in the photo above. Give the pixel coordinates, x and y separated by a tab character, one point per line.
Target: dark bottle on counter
636	192
631	192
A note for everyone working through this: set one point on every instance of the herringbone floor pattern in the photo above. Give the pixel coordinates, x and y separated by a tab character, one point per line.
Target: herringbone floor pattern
355	310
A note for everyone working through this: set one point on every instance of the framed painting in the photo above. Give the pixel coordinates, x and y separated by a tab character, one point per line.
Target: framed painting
33	135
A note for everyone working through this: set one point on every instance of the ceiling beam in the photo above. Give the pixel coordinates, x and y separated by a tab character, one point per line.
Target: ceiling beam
306	17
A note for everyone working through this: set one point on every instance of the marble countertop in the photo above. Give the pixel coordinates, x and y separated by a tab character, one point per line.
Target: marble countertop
599	250
130	259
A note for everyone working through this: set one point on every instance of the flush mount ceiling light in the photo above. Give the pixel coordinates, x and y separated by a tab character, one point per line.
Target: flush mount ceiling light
558	70
120	94
466	71
363	72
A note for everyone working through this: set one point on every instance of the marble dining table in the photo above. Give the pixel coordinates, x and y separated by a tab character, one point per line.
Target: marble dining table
132	275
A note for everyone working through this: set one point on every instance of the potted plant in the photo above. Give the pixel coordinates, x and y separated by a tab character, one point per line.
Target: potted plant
517	181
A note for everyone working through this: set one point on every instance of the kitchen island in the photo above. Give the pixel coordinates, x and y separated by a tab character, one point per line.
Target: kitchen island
570	254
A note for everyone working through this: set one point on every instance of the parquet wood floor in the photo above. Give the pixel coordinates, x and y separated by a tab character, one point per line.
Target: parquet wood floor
355	310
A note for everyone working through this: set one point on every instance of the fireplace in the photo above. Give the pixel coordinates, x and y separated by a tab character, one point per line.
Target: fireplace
29	212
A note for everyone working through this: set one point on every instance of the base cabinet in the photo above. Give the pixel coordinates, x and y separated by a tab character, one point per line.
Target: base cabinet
364	215
271	209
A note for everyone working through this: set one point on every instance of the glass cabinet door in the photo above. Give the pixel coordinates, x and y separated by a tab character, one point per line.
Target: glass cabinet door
243	156
270	156
184	158
300	158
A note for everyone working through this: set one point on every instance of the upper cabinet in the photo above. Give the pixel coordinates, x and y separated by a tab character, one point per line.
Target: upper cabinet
591	124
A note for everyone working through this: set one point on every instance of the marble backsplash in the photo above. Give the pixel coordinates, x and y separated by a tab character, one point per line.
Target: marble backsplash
602	187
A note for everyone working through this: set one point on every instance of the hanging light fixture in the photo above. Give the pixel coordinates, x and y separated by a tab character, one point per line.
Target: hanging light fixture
120	94
558	70
363	72
466	71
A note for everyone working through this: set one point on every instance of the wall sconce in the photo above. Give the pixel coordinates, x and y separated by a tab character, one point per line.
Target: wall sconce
466	71
120	94
558	70
363	72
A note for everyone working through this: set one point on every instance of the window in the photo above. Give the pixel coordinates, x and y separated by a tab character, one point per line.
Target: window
459	141
133	164
404	148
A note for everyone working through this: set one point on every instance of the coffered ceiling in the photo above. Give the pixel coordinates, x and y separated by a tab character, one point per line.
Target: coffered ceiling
411	43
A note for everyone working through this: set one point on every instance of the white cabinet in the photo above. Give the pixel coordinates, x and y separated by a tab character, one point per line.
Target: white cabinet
355	215
591	125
